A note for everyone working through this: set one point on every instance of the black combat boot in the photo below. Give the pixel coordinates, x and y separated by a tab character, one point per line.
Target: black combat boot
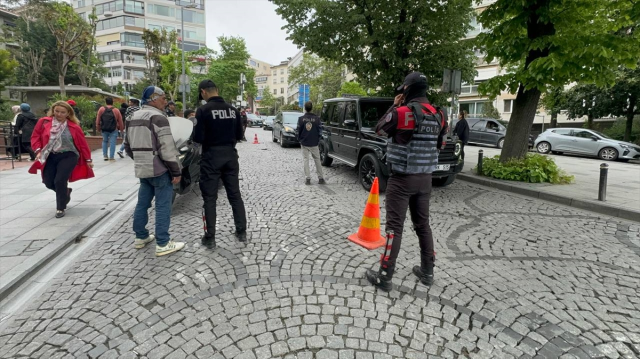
424	272
380	281
209	241
241	235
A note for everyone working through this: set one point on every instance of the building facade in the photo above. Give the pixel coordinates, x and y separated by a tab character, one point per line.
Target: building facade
262	76
279	82
120	26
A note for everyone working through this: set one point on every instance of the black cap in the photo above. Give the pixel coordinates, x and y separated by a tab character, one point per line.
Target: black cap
171	103
204	84
413	79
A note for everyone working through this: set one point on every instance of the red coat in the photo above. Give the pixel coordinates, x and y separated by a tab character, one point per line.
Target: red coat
40	138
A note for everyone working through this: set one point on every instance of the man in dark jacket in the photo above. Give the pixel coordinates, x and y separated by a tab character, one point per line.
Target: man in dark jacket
309	131
245	122
218	129
25	123
462	131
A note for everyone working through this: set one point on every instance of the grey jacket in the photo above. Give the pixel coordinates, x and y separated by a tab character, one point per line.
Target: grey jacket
150	144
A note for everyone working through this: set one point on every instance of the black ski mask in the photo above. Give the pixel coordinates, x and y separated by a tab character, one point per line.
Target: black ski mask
415	91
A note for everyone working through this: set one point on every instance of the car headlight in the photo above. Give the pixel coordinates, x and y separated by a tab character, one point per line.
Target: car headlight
458	149
623	145
288	129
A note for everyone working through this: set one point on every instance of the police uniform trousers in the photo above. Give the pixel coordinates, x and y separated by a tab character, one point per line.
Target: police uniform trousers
408	192
221	163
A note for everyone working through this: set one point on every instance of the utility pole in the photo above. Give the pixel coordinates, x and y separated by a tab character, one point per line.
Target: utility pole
183	78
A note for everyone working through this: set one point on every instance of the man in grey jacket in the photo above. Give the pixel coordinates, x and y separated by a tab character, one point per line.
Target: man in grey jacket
151	146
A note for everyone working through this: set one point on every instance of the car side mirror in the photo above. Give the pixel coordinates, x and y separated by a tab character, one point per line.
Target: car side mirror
350	123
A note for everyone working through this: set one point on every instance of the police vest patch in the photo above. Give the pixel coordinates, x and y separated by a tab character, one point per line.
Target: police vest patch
308	126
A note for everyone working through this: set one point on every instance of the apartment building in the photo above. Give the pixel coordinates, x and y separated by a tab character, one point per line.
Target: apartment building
120	26
262	76
7	21
279	84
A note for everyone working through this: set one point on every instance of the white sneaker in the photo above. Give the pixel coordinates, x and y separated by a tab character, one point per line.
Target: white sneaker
169	248
141	243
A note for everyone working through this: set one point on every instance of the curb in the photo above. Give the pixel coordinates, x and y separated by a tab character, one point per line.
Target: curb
25	270
593	206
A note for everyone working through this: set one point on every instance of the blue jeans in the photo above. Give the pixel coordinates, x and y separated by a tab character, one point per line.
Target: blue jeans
122	145
162	189
109	139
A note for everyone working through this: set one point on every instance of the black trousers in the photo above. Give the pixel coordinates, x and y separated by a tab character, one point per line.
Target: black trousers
56	173
462	150
221	163
408	192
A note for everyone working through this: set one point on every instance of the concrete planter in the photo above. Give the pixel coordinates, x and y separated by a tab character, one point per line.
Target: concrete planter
95	142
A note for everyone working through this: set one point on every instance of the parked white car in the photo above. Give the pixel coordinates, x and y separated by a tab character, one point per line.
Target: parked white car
585	142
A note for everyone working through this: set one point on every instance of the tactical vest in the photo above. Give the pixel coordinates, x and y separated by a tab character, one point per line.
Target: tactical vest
420	155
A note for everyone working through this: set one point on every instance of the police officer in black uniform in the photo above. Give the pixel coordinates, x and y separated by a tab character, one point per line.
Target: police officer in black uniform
218	128
416	131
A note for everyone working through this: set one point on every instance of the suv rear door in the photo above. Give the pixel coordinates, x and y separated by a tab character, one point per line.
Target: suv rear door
350	131
331	131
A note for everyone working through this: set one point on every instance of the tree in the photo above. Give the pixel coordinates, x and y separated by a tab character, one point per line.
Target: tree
157	43
352	88
73	36
552	43
7	67
382	41
490	111
267	100
554	100
324	77
588	100
170	70
89	62
624	98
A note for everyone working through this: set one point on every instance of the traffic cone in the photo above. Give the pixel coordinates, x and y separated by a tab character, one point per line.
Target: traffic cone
255	139
368	234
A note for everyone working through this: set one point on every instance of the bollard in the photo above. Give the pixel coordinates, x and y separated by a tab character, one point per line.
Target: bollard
602	187
480	155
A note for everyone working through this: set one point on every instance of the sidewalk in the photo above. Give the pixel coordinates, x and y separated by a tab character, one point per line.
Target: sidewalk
623	184
29	232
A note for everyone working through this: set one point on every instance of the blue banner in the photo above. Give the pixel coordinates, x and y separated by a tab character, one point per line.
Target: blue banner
303	94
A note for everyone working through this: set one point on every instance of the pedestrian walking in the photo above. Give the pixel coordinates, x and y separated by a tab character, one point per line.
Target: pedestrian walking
134	105
218	129
109	122
15	141
15	109
25	124
151	146
171	109
309	131
417	131
62	153
462	131
245	122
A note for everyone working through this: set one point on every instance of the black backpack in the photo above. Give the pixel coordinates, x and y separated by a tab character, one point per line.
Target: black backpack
108	120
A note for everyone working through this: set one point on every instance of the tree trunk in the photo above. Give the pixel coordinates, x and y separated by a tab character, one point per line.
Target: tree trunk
590	121
524	111
630	115
63	90
554	120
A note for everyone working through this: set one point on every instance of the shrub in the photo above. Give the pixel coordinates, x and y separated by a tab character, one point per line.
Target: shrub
617	130
88	108
534	168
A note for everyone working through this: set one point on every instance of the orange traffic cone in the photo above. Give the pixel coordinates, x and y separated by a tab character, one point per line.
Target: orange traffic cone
368	234
255	139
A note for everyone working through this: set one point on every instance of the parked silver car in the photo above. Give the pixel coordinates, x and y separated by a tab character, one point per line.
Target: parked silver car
585	142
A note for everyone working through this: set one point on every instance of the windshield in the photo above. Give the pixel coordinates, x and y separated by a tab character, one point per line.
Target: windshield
372	111
291	118
252	116
601	134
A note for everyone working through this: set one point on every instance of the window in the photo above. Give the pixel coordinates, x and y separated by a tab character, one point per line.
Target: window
109	56
282	80
134	7
480	125
133	74
582	134
371	112
336	117
275	81
507	106
492	126
194	34
350	113
119	21
275	72
194	18
469	88
131	39
474	109
282	90
111	6
326	113
281	71
260	79
83	15
114	72
562	132
81	3
476	28
161	10
275	91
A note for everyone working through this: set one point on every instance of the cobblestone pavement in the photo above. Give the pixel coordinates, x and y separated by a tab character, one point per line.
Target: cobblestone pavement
515	277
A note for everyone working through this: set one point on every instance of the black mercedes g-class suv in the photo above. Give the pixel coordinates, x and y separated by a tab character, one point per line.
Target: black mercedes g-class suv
349	136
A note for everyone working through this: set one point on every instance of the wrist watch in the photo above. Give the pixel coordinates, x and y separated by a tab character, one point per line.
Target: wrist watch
89	160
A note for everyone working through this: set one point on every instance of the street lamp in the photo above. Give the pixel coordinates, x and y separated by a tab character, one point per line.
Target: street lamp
190	5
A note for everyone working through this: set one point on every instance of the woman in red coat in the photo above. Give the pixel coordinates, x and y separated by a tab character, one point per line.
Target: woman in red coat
62	152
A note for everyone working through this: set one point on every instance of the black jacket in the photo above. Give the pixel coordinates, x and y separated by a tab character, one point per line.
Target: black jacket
219	124
462	130
26	122
309	130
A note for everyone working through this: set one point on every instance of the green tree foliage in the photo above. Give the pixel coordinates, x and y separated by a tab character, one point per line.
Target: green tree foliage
7	67
554	100
73	36
624	98
324	77
588	100
171	68
89	62
619	130
382	41
268	100
157	43
291	107
352	88
552	43
490	111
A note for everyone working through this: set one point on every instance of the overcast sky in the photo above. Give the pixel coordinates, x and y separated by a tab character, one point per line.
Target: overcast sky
254	20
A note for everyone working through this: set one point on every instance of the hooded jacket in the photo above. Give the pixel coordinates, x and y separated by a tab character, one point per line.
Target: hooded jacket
26	122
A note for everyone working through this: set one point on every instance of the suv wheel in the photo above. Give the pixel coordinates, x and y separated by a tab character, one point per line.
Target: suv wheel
281	141
443	181
325	160
501	143
608	154
543	147
368	169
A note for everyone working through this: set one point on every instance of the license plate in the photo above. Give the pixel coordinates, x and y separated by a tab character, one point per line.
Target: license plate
443	167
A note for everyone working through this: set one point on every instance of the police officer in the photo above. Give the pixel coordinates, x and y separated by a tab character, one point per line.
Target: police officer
218	128
416	130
